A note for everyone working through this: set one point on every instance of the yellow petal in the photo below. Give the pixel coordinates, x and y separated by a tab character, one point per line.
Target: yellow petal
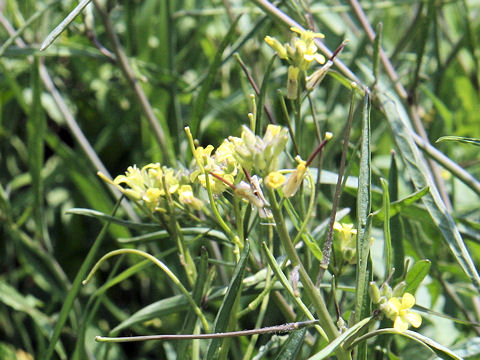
400	324
395	304
414	319
408	300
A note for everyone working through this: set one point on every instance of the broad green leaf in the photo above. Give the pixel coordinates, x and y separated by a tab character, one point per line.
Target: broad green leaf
416	275
226	310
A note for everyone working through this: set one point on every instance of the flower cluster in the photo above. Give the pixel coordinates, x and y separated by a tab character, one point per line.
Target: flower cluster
396	305
227	167
152	184
300	53
257	154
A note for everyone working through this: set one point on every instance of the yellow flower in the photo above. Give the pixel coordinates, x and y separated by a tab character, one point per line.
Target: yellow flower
295	179
274	180
347	237
186	197
398	310
277	46
305	48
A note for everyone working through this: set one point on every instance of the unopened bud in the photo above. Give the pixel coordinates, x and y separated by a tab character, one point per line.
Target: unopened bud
399	289
374	292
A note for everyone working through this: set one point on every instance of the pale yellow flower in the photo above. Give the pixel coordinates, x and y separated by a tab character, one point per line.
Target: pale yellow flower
186	197
398	310
295	179
274	180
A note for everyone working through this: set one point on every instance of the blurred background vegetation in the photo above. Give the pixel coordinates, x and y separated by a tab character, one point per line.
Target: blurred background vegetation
71	109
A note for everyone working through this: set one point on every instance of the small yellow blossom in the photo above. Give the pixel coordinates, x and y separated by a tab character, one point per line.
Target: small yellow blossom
296	178
398	310
347	241
300	54
274	180
186	197
277	46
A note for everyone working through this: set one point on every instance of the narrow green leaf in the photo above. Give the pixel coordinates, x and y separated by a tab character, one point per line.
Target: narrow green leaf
460	139
396	225
77	283
416	275
399	205
418	170
163	234
386	228
36	127
377	46
440	350
469	349
198	291
363	211
364	220
201	100
29	305
105	217
330	348
226	309
63	25
292	346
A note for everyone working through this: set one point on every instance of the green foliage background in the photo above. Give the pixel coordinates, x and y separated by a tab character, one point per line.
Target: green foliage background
48	162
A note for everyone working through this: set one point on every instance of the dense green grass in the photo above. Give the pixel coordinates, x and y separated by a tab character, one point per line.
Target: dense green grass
117	88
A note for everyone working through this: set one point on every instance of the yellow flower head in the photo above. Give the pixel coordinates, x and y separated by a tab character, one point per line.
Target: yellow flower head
347	240
398	310
274	180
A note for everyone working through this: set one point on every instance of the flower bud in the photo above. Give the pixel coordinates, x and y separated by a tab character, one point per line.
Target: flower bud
399	289
374	292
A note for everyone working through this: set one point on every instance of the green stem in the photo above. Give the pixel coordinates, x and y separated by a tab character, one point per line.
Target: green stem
162	266
286	285
312	292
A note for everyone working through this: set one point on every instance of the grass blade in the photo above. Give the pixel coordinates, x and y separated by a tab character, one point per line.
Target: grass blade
421	178
63	25
226	310
77	283
364	220
201	100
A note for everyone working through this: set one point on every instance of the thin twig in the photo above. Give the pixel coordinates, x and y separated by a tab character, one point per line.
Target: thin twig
266	330
254	86
336	198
